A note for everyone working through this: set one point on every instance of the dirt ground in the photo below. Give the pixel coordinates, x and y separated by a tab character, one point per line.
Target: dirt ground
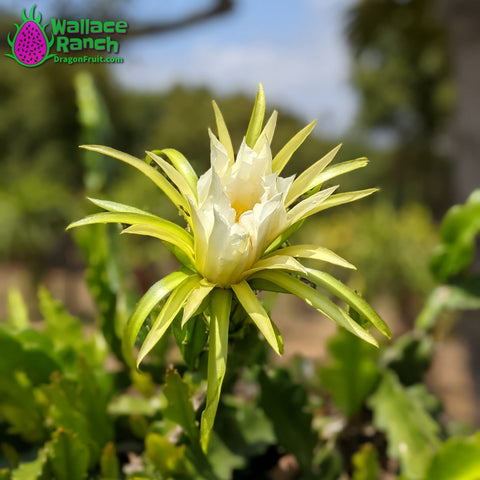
305	332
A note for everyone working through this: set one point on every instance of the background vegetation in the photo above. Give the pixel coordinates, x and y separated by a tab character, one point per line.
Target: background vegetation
406	63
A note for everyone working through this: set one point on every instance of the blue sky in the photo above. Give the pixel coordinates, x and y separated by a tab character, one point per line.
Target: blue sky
295	48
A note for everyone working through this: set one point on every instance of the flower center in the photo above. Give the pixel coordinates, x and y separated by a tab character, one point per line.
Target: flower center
241	205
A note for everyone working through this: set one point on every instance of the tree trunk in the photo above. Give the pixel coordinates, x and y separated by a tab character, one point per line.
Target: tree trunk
462	20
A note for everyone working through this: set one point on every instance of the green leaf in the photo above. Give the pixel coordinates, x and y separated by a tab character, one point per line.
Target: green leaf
259	316
68	457
157	178
180	409
285	404
317	301
456	296
285	154
37	362
166	316
17	310
166	457
412	433
109	465
244	427
352	372
66	331
154	295
308	179
222	132
458	459
365	463
220	305
80	406
410	356
459	230
350	297
34	470
256	119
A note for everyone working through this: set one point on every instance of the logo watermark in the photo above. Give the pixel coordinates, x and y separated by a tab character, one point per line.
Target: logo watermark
32	46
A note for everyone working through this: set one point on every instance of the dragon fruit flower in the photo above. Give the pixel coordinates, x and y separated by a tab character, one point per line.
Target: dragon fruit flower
239	215
30	45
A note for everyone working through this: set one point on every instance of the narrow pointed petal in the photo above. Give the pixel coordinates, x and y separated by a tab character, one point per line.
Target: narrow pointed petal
342	198
166	316
183	166
195	299
259	316
308	179
276	262
309	206
313	252
267	132
222	131
340	169
217	359
155	294
317	301
118	207
284	155
350	297
157	178
175	176
163	233
256	120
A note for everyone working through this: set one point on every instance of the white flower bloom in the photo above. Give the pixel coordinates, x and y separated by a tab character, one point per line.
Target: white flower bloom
240	213
241	209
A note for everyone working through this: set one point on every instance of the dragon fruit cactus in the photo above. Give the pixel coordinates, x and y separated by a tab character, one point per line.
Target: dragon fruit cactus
30	46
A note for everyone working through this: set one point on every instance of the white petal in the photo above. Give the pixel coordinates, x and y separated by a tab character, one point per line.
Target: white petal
218	154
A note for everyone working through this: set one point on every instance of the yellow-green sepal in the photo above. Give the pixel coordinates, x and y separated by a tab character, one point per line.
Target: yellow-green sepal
256	119
259	316
283	156
172	306
180	162
350	297
152	297
317	301
220	305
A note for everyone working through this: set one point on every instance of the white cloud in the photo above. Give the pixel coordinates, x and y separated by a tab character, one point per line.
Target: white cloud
309	76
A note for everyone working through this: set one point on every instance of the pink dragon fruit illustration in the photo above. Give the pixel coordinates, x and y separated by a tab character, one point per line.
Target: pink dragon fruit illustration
30	46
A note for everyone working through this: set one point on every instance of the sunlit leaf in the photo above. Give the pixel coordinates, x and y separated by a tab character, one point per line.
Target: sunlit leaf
412	433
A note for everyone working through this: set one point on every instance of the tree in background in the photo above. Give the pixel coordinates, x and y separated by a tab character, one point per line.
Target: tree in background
402	72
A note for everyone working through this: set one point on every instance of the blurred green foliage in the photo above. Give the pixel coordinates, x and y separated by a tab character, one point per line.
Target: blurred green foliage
402	71
68	410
